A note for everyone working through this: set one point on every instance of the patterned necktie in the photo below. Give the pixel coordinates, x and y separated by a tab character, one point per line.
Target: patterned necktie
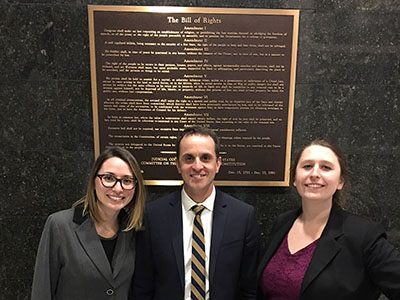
198	286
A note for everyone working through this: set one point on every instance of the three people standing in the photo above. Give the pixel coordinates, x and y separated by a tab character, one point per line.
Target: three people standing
200	243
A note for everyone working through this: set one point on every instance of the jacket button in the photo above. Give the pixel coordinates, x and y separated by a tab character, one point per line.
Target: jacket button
109	292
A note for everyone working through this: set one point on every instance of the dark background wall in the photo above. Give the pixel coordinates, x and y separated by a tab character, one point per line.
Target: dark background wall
347	88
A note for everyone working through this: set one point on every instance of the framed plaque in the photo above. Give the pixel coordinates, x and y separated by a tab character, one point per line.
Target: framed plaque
158	70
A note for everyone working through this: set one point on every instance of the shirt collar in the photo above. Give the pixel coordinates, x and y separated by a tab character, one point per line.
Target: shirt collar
188	203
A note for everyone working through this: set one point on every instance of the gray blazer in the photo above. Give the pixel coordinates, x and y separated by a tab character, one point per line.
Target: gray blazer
71	262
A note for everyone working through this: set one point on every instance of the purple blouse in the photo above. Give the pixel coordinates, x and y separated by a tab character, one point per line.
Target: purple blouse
284	273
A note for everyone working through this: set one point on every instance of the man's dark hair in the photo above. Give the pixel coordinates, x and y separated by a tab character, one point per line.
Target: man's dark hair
198	130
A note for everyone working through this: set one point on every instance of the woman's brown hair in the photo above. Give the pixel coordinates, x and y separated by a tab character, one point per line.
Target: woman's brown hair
135	208
339	198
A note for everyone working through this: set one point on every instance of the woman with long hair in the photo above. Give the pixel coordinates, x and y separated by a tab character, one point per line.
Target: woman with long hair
88	251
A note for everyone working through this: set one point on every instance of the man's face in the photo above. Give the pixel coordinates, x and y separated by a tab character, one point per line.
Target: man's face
198	165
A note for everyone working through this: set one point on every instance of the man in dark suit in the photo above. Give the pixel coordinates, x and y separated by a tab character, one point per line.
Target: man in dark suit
164	263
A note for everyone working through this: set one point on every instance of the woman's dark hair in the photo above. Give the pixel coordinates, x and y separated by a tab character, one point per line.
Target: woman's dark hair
339	198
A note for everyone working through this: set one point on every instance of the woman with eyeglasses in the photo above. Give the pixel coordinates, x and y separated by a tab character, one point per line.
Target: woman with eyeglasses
88	251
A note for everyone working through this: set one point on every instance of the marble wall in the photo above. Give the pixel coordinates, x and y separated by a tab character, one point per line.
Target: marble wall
347	88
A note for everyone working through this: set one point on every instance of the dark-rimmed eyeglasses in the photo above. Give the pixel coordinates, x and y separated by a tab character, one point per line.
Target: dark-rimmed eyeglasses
109	181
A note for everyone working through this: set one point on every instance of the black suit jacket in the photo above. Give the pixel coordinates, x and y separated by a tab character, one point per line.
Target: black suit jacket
352	260
159	270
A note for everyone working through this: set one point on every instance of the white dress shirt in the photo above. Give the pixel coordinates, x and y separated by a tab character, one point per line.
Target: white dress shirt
187	222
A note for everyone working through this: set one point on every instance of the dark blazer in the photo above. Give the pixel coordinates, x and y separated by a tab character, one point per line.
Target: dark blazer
352	260
159	271
71	262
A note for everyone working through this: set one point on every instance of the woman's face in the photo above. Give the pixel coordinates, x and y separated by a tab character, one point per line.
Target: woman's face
318	174
113	199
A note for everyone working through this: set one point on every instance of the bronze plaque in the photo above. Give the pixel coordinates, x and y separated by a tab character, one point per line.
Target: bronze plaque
157	70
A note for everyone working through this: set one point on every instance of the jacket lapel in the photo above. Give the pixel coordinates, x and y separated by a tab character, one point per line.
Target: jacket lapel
327	247
176	230
218	227
87	236
281	228
122	247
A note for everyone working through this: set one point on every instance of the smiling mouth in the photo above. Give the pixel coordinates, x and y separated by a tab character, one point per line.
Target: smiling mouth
197	175
314	185
116	198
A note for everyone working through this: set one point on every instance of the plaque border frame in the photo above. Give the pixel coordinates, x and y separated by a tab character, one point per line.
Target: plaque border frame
206	10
